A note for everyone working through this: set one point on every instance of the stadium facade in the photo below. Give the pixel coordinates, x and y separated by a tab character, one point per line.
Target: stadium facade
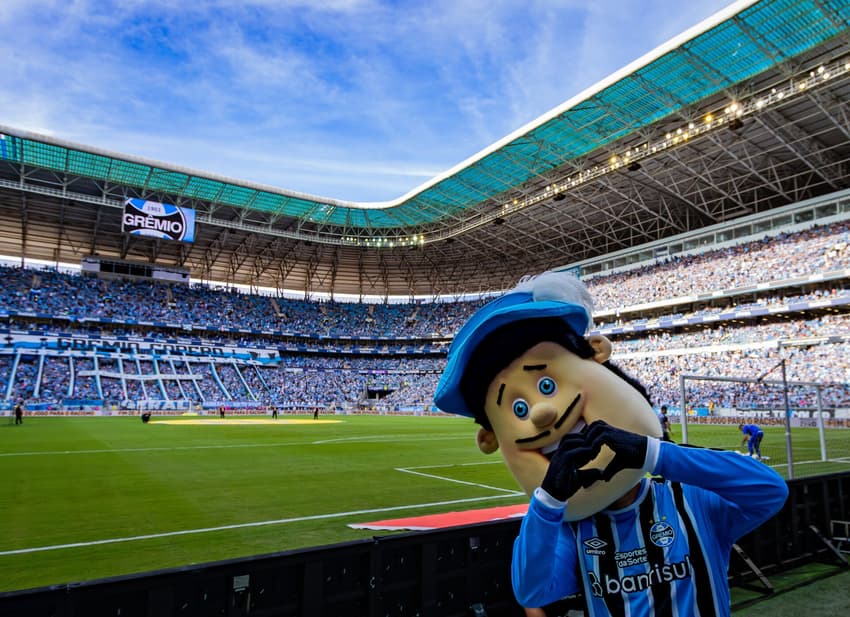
701	191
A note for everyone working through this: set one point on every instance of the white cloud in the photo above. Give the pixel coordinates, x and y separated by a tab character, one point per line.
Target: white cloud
357	97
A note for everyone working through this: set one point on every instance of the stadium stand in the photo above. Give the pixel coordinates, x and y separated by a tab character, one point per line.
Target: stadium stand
386	357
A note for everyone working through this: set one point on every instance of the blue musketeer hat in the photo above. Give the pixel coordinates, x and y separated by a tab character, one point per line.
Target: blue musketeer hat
551	294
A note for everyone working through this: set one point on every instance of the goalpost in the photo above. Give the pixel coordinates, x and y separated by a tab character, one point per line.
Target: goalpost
784	383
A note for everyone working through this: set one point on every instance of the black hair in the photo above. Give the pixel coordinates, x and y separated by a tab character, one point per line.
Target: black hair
505	344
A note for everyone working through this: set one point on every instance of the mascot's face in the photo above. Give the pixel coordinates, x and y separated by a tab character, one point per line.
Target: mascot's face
548	392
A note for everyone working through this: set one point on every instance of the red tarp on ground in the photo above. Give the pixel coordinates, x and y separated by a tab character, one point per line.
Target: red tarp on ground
447	519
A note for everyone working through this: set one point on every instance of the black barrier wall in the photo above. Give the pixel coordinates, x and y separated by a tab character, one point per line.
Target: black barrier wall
787	539
460	572
439	574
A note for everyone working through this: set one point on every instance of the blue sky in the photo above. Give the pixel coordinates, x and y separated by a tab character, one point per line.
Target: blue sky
358	100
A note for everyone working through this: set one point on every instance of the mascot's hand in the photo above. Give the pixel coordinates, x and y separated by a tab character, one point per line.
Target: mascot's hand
629	448
564	476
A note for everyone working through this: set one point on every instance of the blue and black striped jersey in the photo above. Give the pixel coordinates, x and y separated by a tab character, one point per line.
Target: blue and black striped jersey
666	554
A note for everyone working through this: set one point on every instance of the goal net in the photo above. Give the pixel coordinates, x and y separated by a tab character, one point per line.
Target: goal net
805	428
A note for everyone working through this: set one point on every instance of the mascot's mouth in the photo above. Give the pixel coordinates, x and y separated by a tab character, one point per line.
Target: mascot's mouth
549	451
549	448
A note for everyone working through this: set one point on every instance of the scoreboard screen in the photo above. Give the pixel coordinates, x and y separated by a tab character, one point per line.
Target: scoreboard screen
156	220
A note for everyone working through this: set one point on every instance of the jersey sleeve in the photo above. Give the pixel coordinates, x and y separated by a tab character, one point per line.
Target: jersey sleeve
736	493
545	564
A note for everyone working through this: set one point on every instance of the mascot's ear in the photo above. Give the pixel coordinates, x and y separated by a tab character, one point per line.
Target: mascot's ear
487	441
601	346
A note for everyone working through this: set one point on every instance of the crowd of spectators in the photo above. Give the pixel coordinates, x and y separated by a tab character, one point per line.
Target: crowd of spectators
780	257
383	383
401	376
823	364
111	386
737	334
234	387
77	297
819	249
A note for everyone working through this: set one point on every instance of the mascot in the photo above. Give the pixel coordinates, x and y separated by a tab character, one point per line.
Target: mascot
580	436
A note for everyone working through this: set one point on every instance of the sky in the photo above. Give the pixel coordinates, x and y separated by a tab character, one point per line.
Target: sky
356	100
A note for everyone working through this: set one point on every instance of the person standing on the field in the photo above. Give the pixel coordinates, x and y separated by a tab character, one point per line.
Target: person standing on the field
752	437
19	413
665	424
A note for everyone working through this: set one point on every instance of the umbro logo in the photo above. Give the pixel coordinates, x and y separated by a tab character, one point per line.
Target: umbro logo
594	546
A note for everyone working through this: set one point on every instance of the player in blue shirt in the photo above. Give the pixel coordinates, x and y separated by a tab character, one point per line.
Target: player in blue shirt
752	437
523	369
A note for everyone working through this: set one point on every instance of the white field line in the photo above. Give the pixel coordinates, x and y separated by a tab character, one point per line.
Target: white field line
843	460
476	463
171	449
281	521
363	439
511	492
385	437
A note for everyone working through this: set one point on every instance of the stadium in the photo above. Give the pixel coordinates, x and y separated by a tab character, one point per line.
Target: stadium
287	347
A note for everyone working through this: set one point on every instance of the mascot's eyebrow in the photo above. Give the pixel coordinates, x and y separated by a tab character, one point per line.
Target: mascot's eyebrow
534	367
527	367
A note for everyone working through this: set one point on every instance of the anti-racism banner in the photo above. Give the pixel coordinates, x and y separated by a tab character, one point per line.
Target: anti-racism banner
156	220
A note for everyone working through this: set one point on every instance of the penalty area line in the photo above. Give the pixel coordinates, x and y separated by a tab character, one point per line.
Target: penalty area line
445	465
281	521
510	492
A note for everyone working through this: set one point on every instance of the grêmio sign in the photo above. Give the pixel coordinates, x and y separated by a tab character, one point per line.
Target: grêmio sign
158	220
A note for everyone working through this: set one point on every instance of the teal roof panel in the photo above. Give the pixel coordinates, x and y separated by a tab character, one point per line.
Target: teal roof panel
87	164
204	189
167	181
126	172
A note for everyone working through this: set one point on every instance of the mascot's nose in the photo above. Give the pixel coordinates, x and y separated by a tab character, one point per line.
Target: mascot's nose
543	414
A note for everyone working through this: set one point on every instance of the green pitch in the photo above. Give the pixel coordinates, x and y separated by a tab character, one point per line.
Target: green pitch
808	457
88	498
100	494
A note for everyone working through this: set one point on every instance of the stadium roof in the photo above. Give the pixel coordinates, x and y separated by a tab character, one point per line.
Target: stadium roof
743	113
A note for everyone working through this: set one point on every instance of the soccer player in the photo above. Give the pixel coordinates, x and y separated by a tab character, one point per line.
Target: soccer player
665	424
579	435
19	412
752	437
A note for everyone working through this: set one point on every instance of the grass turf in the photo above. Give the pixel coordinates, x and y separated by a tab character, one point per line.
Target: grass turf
815	590
99	494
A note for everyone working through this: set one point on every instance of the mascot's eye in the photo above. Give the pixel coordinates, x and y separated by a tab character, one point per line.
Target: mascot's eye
520	408
547	386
